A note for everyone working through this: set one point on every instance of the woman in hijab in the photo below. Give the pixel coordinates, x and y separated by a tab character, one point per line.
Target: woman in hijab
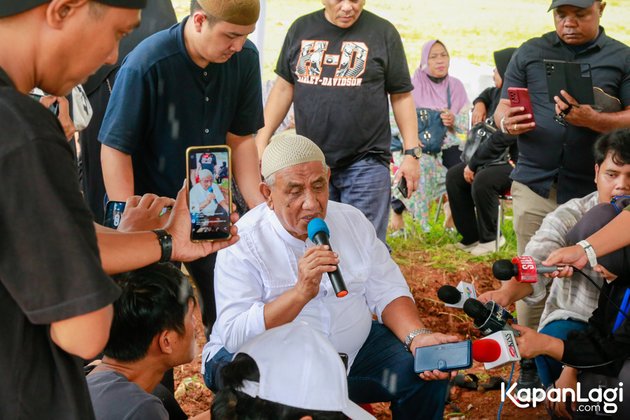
474	187
434	89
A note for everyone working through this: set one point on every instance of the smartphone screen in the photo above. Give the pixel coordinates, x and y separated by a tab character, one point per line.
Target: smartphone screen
520	97
113	214
209	192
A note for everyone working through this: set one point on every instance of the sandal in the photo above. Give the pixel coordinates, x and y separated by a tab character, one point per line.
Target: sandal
466	381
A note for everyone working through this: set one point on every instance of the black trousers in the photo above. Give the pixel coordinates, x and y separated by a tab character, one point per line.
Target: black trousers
202	273
482	196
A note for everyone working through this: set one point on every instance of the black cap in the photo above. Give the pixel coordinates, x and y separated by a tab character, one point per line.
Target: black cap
577	3
11	7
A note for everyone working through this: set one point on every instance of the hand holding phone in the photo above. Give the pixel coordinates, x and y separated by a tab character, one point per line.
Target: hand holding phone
402	187
519	97
141	213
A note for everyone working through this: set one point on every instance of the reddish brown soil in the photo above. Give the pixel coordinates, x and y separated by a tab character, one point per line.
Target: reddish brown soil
424	281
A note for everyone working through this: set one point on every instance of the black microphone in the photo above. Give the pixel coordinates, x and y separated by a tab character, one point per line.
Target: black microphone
449	294
525	269
318	233
488	318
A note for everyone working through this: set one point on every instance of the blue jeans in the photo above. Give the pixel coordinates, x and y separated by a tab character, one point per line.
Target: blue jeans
550	369
382	371
366	185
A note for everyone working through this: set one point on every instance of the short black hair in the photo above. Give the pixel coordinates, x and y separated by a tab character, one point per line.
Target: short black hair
153	299
617	143
230	404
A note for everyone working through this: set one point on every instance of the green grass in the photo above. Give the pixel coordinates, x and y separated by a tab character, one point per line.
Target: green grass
471	29
439	244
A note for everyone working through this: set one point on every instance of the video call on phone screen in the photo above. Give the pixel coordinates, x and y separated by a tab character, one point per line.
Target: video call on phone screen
209	194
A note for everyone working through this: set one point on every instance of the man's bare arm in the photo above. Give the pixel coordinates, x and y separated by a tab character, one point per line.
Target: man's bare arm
245	167
276	108
117	173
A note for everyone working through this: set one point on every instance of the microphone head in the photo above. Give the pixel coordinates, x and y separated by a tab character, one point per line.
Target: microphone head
449	294
315	226
504	270
476	310
486	350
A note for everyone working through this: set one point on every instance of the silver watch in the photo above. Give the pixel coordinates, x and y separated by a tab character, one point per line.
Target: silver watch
413	334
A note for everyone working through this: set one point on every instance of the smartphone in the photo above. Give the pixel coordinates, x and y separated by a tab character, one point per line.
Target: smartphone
114	211
520	97
444	357
575	78
54	108
113	214
209	180
402	187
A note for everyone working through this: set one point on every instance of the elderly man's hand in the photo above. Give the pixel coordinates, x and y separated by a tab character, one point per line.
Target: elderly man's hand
144	213
424	340
314	263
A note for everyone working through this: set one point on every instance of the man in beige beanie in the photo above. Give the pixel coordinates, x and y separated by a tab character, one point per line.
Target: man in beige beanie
196	83
275	275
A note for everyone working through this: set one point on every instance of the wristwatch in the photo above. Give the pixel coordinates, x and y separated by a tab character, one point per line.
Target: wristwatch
416	152
590	252
413	334
166	244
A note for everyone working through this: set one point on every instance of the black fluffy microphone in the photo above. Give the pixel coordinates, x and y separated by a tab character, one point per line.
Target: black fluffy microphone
488	318
318	233
524	269
449	294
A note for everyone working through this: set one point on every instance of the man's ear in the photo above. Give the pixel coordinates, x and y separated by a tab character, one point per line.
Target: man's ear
198	18
266	192
164	342
602	6
58	11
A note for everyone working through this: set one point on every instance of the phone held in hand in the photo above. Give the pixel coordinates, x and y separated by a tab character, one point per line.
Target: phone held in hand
444	357
519	97
402	187
209	181
574	78
113	214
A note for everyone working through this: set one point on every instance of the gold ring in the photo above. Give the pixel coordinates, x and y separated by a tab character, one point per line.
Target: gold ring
514	127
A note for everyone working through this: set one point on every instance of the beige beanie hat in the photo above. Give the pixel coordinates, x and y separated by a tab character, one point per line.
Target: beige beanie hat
288	150
237	12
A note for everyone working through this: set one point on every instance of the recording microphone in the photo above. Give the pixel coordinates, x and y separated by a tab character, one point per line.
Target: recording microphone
454	297
486	350
525	269
488	318
496	349
318	233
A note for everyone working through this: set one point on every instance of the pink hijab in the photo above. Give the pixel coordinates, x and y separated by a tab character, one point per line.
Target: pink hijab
428	94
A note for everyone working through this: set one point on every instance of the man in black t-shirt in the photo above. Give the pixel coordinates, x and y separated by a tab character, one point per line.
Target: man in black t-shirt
338	66
55	295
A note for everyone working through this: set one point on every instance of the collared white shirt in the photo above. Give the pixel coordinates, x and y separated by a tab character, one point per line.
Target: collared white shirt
263	264
198	195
